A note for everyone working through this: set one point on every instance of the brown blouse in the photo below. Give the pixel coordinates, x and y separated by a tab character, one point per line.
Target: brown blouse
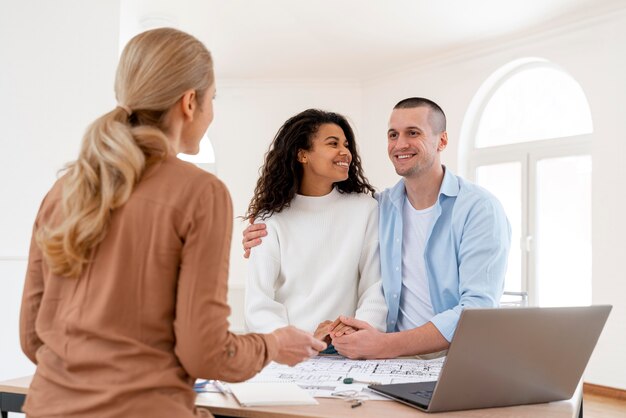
149	313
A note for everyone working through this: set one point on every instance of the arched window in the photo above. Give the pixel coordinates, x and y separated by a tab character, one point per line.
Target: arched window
527	138
204	159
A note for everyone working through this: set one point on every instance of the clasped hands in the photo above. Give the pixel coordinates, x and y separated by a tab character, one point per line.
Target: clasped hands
327	330
351	337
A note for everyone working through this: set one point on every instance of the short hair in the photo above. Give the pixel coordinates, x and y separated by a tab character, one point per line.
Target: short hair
437	117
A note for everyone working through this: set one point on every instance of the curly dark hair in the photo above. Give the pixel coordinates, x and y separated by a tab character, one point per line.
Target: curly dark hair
281	174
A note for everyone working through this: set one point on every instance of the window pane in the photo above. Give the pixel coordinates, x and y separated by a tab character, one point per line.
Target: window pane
537	103
206	155
505	182
563	241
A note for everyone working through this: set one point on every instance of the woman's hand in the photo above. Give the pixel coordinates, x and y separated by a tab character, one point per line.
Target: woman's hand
295	345
323	330
339	328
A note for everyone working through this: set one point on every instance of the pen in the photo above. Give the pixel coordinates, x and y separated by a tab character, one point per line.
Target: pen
199	386
221	387
350	380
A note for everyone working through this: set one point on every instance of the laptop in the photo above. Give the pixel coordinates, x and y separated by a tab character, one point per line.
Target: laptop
509	356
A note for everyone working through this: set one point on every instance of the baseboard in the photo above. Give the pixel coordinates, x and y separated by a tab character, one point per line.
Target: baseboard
606	391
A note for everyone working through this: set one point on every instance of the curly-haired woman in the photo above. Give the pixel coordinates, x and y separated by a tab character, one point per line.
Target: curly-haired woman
320	257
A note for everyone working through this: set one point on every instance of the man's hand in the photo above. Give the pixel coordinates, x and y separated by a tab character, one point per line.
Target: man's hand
295	345
252	237
365	343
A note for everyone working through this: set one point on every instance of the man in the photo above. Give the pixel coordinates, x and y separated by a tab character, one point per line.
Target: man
444	244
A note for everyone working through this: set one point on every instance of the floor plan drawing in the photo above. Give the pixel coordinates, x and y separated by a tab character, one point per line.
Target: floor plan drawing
330	371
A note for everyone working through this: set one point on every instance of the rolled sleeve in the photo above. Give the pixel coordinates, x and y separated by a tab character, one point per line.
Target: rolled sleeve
482	261
204	345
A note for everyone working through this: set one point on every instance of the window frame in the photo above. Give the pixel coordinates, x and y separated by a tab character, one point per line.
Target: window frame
528	154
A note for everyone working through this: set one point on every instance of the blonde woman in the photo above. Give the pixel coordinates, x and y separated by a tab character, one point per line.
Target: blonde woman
124	302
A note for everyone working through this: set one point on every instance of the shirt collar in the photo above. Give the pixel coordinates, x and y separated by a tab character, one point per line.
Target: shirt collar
449	187
450	184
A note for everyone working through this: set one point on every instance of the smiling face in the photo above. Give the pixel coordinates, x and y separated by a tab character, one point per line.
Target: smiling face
326	162
412	145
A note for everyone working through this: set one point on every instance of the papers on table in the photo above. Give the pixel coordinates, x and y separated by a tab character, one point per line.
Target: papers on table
265	394
323	375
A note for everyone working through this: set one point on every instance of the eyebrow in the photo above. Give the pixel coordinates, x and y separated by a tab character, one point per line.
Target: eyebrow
332	137
417	128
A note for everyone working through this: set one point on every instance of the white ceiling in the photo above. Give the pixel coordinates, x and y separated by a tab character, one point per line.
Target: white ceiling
348	39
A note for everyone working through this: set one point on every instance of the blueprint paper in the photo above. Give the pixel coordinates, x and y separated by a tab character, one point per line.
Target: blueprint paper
323	375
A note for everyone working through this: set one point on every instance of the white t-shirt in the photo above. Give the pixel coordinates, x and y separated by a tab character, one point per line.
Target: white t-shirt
416	308
319	260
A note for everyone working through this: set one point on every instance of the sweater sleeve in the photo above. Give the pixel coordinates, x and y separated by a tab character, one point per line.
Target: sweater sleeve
371	305
262	312
204	345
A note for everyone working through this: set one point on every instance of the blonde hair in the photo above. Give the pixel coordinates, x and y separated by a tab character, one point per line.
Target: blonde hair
156	68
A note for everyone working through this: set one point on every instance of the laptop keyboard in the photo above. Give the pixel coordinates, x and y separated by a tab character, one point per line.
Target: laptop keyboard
424	393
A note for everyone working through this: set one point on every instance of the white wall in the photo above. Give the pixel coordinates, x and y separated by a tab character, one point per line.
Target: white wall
58	63
61	78
593	53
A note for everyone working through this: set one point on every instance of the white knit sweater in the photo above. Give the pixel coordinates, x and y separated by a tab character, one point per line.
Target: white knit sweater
319	260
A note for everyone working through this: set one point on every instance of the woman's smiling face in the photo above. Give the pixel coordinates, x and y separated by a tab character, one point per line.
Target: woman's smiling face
327	162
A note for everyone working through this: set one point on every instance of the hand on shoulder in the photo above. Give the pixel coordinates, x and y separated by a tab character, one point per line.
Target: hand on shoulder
252	237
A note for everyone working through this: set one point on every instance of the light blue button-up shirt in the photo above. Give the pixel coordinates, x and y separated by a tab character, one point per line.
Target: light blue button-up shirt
465	254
